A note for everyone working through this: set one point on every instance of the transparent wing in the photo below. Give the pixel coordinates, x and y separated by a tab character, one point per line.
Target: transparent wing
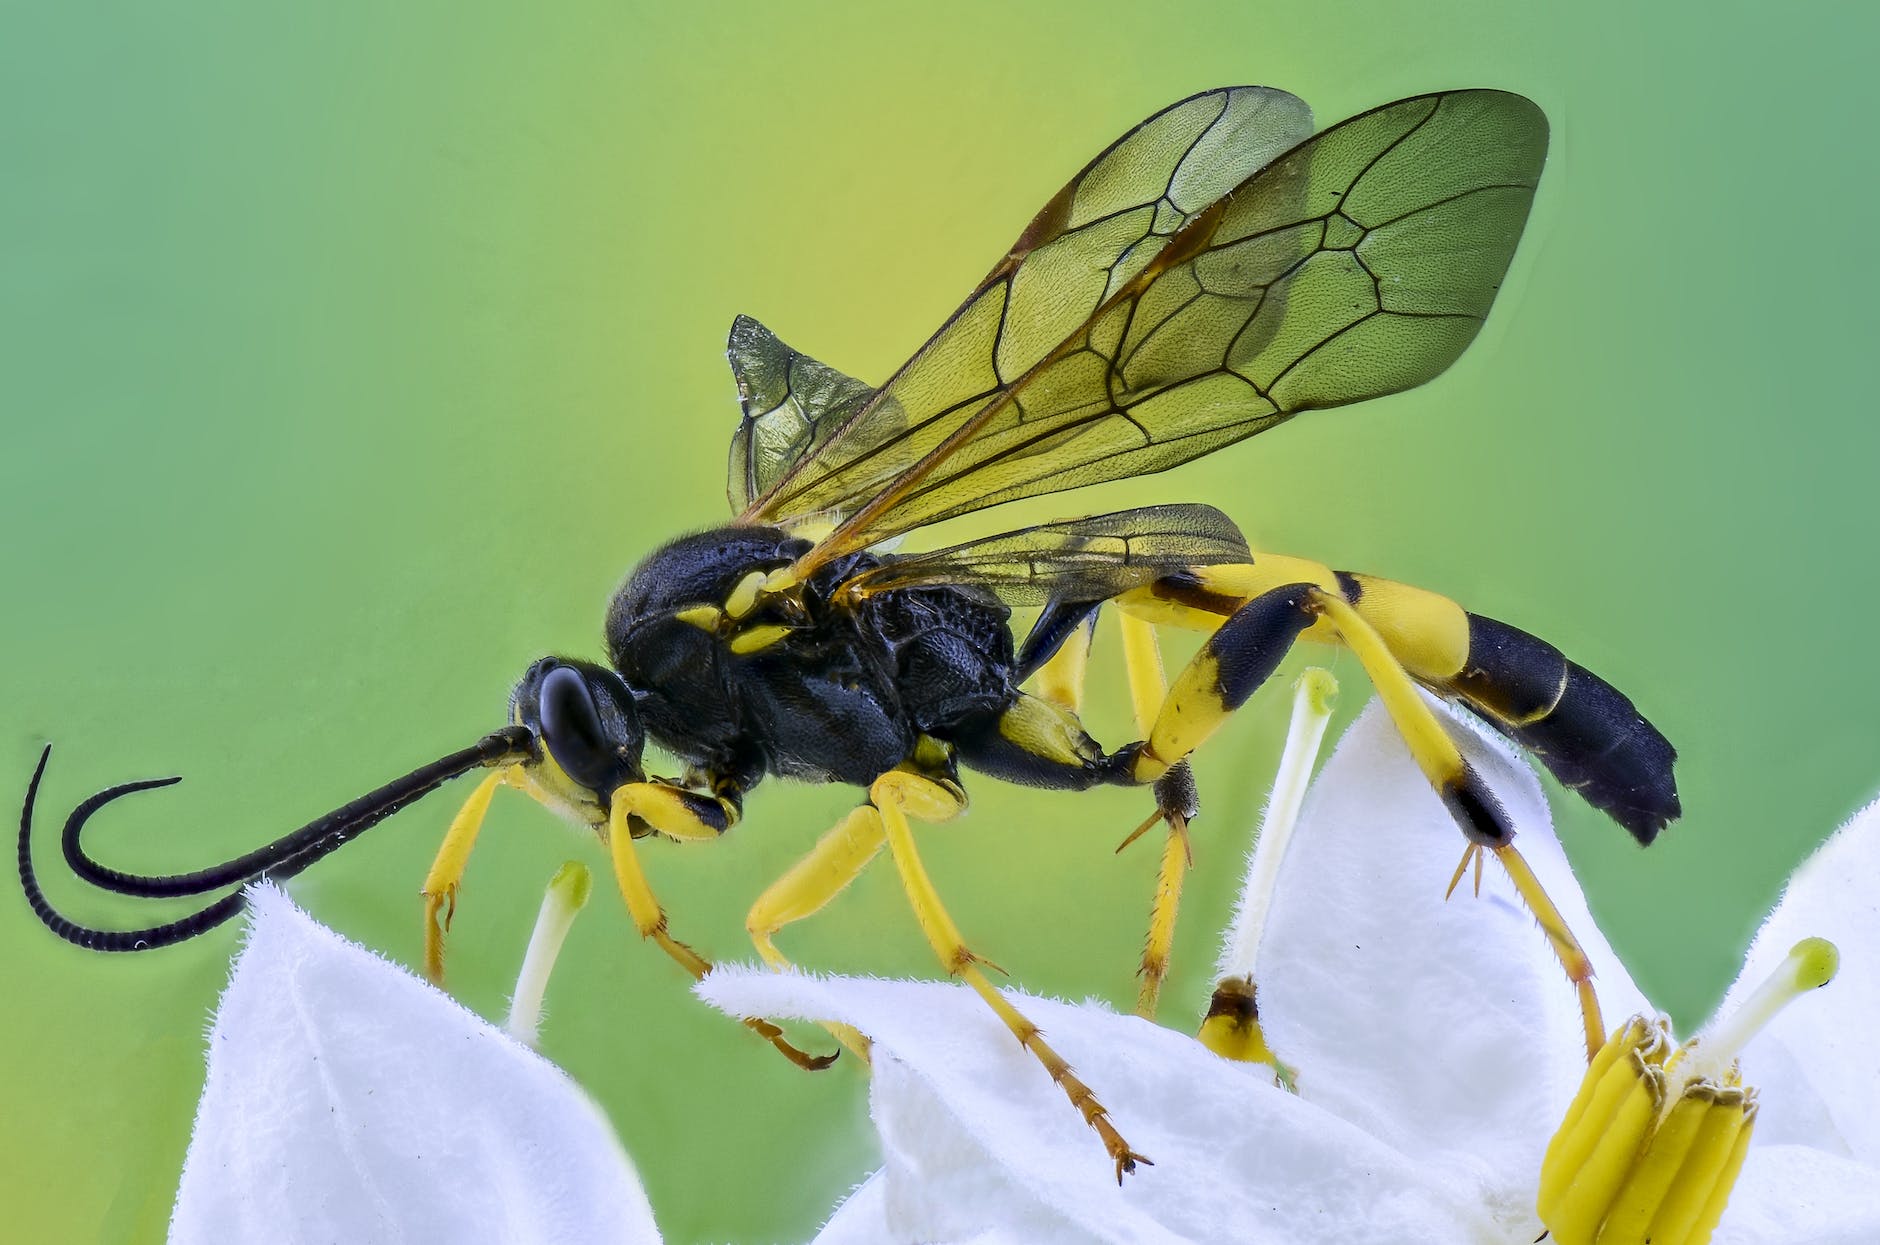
1088	242
791	404
1359	264
1074	561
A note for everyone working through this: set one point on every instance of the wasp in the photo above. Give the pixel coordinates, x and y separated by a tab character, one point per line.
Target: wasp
1216	271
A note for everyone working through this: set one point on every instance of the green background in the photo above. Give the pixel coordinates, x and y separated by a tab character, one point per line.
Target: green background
350	354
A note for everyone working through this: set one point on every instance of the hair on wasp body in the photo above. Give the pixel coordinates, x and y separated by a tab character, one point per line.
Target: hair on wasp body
1214	272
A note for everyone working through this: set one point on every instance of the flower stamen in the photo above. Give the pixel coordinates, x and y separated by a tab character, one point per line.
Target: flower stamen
1652	1143
567	894
1232	1027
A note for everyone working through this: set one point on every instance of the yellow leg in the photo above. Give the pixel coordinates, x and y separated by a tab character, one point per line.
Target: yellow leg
1147	693
837	860
650	918
1468	798
1143	659
1566	947
446	875
1199	703
1061	679
1435	752
898	794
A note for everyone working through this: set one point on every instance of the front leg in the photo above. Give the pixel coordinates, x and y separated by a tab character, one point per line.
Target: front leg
446	876
677	813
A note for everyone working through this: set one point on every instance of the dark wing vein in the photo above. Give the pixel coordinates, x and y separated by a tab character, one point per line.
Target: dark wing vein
1088	242
1359	264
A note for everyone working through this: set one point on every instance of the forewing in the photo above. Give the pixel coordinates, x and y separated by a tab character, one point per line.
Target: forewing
791	404
1089	241
1361	263
1075	561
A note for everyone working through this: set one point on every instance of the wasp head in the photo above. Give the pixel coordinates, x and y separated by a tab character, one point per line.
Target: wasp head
590	733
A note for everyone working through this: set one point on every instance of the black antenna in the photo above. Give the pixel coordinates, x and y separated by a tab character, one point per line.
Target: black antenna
283	858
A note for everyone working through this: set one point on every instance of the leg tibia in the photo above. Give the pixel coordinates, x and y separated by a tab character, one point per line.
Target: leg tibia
650	919
1467	797
1242	653
899	794
446	875
837	860
1176	802
896	794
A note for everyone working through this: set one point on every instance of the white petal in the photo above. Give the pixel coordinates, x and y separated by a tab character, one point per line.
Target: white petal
980	1146
1799	1196
1816	1063
348	1101
862	1218
1445	1029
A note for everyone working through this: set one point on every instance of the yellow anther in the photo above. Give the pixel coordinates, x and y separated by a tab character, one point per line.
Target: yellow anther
744	596
756	639
1652	1143
704	617
1575	1196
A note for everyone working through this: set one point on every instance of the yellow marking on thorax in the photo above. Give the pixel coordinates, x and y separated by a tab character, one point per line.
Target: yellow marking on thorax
704	617
757	639
815	528
743	598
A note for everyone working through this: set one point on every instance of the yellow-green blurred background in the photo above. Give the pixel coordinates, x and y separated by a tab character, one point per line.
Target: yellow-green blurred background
352	352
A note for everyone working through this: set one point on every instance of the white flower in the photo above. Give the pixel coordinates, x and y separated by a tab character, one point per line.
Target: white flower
347	1101
1436	1046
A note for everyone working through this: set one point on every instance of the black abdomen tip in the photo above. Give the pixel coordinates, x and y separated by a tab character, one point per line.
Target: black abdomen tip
1596	742
1583	729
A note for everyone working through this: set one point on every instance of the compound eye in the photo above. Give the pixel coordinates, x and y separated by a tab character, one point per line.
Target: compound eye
571	727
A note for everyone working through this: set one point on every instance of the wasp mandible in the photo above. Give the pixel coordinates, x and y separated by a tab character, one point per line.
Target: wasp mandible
1214	272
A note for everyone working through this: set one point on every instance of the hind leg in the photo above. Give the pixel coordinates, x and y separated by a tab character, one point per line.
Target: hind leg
1248	644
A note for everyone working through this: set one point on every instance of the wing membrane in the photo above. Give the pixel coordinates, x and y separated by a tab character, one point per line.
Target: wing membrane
1359	264
1076	561
791	404
1089	241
